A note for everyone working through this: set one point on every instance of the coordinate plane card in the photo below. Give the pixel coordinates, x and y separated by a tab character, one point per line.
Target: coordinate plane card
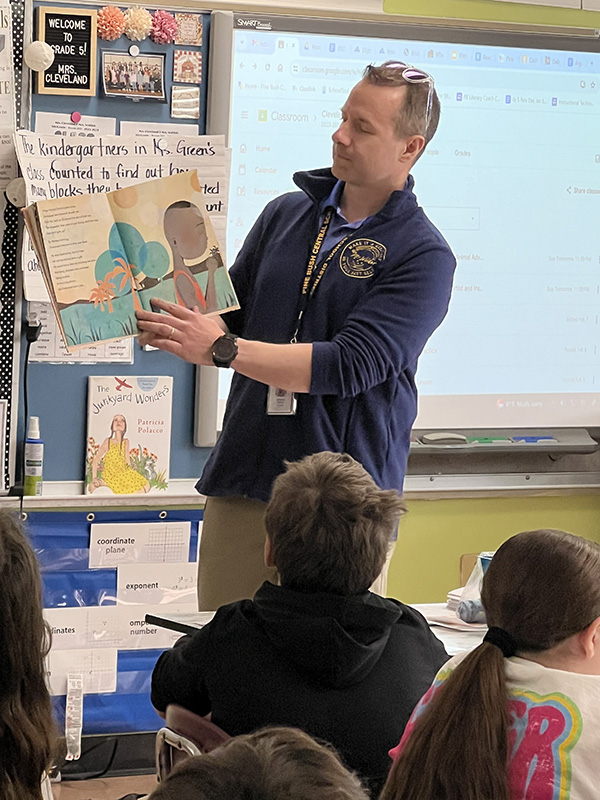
98	667
69	627
139	543
152	584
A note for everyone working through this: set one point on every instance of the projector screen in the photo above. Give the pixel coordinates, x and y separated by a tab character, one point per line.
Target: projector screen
511	179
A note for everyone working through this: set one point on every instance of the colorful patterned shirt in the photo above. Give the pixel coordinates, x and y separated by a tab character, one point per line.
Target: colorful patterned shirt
554	735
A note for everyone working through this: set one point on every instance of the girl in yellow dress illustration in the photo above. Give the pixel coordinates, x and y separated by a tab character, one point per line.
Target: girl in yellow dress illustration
117	473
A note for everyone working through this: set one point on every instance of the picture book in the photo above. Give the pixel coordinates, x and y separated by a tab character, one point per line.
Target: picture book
105	255
128	434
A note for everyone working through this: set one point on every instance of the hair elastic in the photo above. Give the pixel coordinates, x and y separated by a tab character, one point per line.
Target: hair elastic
502	640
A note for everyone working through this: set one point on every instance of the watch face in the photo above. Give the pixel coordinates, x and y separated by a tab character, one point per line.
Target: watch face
224	348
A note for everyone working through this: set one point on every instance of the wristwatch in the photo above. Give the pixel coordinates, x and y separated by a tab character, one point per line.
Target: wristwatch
224	350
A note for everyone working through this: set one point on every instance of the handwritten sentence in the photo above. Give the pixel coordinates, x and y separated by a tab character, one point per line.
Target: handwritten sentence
101	148
57	169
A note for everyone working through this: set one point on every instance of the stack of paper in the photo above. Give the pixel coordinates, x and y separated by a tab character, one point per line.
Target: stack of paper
437	615
453	599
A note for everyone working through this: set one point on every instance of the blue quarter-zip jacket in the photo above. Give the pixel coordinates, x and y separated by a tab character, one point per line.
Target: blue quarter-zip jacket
383	294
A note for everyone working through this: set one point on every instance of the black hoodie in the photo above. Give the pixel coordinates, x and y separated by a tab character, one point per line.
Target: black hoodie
349	670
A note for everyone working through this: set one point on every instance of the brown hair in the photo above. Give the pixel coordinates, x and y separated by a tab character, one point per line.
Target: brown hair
541	587
330	525
270	764
27	731
412	114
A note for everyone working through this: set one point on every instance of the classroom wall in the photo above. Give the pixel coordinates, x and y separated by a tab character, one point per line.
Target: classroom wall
450	11
435	533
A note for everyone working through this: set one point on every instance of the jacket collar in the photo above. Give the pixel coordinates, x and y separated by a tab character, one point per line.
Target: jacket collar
318	184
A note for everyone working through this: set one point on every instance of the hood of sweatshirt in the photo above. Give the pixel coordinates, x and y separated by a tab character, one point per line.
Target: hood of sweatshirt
337	640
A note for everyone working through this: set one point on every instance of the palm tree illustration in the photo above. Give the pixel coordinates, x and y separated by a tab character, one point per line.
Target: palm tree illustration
125	269
103	293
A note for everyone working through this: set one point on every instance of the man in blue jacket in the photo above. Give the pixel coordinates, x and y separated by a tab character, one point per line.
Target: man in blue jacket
340	287
318	652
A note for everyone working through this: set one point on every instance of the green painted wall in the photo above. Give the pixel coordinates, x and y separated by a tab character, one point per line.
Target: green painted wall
435	533
490	10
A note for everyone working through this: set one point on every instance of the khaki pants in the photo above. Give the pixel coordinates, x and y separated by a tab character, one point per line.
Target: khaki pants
231	564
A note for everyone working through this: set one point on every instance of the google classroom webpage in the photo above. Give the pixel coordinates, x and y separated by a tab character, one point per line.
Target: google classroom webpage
512	179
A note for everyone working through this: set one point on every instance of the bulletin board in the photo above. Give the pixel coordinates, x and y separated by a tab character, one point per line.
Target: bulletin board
56	389
125	104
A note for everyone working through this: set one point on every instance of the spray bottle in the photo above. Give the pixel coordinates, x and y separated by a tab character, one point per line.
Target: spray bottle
34	459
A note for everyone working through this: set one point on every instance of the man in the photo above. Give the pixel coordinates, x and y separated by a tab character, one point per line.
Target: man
318	652
340	287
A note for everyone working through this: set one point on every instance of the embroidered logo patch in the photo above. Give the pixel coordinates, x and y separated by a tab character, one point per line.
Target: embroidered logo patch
359	258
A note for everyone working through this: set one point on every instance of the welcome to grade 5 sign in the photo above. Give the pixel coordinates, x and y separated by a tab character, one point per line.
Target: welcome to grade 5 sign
71	33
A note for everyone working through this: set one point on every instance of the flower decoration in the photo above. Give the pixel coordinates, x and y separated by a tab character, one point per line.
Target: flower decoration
111	23
38	56
138	23
164	27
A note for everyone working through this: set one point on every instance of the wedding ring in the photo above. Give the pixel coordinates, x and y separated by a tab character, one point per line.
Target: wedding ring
170	336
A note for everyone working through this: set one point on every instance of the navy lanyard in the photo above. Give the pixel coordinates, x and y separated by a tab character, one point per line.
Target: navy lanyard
308	288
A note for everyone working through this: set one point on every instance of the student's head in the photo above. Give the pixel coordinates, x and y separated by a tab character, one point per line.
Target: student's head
386	123
542	587
26	726
185	229
541	594
271	764
329	525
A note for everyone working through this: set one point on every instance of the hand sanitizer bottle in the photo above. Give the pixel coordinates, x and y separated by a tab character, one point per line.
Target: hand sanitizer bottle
34	459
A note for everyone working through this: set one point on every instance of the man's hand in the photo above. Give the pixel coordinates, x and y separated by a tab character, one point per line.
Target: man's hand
187	334
190	335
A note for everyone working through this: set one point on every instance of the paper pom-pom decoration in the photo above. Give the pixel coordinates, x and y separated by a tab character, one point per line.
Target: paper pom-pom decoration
164	27
38	56
138	22
111	23
16	193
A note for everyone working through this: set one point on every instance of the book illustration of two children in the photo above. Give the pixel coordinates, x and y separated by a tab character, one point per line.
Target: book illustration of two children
125	247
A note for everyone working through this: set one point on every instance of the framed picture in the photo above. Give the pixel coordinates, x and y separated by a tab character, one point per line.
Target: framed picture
189	29
185	102
187	66
142	76
71	33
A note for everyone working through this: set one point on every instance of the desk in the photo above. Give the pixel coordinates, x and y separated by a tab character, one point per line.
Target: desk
455	641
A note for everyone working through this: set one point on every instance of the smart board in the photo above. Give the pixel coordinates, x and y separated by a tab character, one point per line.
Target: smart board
512	180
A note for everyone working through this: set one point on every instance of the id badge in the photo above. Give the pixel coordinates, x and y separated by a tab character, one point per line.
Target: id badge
280	402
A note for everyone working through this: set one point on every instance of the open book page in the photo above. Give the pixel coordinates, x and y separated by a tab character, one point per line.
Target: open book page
105	255
91	305
168	244
56	166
